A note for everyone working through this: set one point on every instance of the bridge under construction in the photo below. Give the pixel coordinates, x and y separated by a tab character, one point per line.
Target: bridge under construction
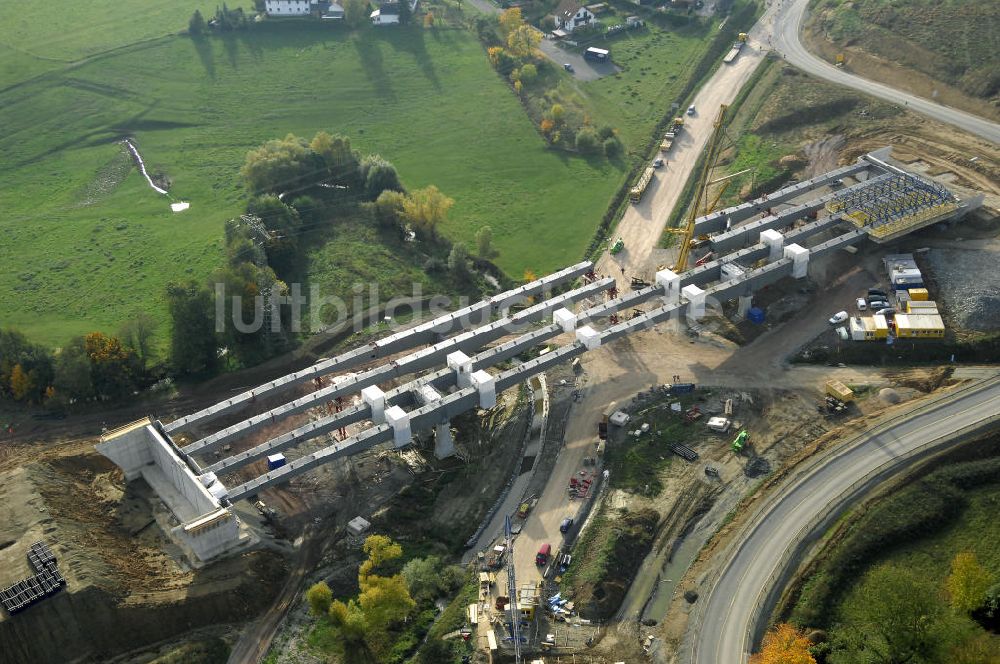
418	379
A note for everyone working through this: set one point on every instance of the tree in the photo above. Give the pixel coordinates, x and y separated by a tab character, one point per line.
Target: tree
523	41
429	578
587	141
897	618
111	365
385	600
196	26
968	583
192	324
319	597
458	260
517	88
380	550
484	243
281	244
389	208
426	208
529	73
342	162
355	12
351	621
36	364
138	334
20	383
510	20
784	644
558	113
612	147
378	175
405	13
282	165
72	371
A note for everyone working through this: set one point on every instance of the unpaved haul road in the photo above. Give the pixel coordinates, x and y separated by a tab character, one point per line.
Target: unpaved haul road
642	225
736	602
788	21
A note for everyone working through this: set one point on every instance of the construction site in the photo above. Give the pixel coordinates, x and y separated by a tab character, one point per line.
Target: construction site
587	447
208	499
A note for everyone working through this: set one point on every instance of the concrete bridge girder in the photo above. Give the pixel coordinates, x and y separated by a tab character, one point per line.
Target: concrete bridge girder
425	333
720	220
414	362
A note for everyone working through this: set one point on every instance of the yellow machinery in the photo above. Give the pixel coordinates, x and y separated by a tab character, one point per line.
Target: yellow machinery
712	152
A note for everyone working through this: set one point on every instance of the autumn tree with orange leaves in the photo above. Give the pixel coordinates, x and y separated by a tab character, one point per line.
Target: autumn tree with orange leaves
784	644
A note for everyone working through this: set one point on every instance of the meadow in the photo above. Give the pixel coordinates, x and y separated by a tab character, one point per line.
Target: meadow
87	251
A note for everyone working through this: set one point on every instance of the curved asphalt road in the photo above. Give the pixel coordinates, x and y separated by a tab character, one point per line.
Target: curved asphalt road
788	25
723	636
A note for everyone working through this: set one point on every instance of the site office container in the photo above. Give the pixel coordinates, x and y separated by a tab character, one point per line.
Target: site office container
542	557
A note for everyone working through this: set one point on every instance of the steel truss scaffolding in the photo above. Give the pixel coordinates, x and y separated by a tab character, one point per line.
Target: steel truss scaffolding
893	203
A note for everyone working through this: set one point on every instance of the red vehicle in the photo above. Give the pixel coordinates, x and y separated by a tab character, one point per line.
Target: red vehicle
542	557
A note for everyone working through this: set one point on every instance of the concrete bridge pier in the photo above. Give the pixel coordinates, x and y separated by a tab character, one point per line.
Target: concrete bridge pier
444	443
743	306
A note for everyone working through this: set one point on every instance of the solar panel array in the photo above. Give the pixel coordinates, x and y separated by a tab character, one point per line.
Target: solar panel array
45	582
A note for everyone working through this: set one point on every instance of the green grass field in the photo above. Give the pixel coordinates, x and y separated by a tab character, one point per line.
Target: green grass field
35	37
426	100
656	63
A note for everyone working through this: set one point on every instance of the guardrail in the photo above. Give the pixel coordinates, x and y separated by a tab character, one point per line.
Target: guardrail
753	628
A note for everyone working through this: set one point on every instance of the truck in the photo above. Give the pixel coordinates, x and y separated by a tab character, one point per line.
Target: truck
734	52
672	132
635	195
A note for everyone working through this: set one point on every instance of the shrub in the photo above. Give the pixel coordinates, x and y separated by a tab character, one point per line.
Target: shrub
587	141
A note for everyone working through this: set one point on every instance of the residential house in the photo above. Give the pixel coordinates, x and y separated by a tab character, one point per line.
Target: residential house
334	11
387	14
571	15
288	7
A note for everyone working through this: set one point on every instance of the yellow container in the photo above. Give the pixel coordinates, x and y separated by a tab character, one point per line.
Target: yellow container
919	294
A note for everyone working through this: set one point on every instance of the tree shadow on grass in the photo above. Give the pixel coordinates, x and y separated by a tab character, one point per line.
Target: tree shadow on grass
370	53
410	39
206	54
232	49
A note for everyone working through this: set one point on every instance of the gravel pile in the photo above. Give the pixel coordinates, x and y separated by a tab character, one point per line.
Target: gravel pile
969	282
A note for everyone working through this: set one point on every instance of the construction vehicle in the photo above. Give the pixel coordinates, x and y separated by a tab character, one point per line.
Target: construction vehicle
840	60
741	441
734	53
712	153
635	194
618	245
672	132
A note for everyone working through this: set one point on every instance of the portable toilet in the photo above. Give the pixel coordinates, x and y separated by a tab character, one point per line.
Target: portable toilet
276	461
755	315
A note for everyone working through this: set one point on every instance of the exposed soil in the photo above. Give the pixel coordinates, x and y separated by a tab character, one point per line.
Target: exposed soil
125	584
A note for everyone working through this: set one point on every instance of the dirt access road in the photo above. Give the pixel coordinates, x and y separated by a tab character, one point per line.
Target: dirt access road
642	225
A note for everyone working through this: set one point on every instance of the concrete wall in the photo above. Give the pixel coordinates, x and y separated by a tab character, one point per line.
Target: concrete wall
179	475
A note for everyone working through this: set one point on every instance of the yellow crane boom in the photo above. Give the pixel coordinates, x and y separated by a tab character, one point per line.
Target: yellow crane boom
712	152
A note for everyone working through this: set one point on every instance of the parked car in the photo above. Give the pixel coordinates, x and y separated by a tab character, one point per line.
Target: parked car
568	67
887	311
691	109
566	524
658	162
838	318
861	304
874	292
875	305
